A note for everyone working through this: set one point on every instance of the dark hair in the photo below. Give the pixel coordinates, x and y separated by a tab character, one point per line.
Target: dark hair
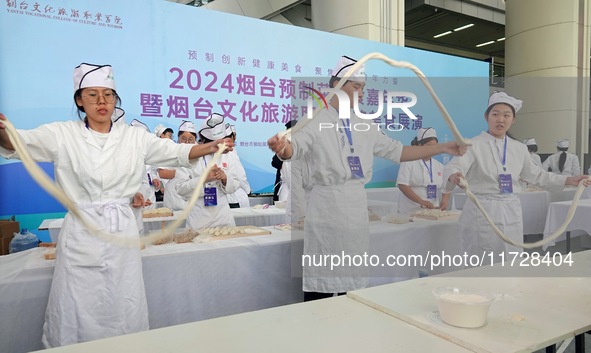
492	106
532	148
333	79
203	139
416	142
290	123
561	161
78	94
562	149
167	130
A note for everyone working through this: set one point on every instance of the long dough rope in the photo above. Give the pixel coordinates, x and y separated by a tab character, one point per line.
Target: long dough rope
458	138
48	185
546	240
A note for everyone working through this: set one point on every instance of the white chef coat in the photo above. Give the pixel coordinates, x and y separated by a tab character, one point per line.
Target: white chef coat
202	216
416	175
481	166
285	187
240	196
97	289
337	221
171	198
536	159
571	165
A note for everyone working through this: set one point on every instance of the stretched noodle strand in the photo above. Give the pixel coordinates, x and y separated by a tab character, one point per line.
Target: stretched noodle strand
458	138
48	185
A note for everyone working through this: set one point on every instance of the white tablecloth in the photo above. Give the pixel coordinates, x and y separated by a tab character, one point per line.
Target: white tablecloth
192	282
557	215
383	194
242	216
382	208
259	217
534	206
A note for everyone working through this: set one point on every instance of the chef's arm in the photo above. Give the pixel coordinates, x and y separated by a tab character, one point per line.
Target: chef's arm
411	153
166	173
444	201
411	195
4	140
204	149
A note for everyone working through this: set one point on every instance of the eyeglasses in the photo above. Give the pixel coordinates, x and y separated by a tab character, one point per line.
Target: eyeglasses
184	139
95	97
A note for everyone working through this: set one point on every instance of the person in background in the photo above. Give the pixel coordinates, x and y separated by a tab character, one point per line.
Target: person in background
164	133
340	162
420	181
532	148
172	199
492	166
239	198
147	189
97	290
277	163
212	208
150	183
286	174
562	162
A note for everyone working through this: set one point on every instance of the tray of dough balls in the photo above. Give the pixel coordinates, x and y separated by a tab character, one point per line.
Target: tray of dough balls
206	235
156	213
437	214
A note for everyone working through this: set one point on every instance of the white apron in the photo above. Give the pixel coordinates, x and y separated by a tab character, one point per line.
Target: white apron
97	289
336	223
202	216
477	234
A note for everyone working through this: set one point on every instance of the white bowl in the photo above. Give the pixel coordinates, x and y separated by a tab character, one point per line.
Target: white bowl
463	307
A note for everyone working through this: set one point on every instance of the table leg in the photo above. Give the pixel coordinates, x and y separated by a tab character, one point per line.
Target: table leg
580	343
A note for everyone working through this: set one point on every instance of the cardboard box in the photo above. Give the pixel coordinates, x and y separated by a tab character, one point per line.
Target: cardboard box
7	230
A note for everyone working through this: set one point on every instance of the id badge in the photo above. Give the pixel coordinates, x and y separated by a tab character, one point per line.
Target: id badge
431	192
355	166
210	196
505	183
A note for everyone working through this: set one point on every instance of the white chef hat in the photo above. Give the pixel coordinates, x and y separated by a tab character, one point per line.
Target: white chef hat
229	130
344	65
213	127
562	143
502	97
118	116
233	129
159	129
424	133
90	75
530	142
137	123
187	126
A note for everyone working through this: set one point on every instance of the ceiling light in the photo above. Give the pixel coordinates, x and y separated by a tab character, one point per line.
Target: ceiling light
464	27
501	39
442	34
483	44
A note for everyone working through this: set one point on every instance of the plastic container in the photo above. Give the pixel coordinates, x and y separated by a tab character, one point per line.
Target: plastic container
463	307
23	241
